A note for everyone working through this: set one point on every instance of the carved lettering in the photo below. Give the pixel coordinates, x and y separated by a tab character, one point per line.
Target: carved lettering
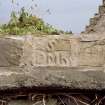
64	60
58	58
39	58
51	45
51	58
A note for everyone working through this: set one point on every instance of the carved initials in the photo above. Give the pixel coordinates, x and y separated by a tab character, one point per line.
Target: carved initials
56	58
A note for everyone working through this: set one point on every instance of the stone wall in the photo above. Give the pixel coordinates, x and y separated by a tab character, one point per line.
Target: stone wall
97	23
62	61
40	70
63	51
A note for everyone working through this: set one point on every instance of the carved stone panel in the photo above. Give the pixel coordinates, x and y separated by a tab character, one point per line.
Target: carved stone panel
63	51
51	51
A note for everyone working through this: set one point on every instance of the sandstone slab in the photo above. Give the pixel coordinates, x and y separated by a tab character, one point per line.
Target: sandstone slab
52	61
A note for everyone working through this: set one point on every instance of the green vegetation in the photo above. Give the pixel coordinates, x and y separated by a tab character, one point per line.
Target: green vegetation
25	23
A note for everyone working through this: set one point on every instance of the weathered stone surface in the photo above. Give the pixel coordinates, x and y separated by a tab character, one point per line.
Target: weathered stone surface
97	23
63	51
52	61
51	51
10	52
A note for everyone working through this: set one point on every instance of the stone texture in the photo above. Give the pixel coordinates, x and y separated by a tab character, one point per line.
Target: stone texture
10	52
97	23
52	61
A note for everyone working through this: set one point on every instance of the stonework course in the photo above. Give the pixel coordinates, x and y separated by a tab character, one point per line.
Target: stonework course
97	23
55	62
